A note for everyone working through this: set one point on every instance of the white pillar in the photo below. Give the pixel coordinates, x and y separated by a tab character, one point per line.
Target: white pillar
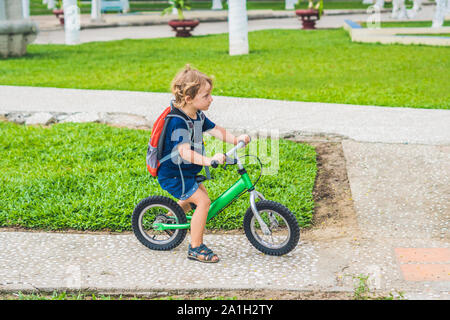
96	14
217	5
415	9
237	27
442	7
174	10
399	9
126	6
289	4
380	3
50	4
72	21
26	8
2	10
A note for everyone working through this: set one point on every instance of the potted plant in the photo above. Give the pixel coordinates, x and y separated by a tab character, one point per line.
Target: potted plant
181	26
59	10
314	10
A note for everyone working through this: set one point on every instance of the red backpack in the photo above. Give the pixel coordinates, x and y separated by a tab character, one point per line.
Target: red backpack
152	150
156	143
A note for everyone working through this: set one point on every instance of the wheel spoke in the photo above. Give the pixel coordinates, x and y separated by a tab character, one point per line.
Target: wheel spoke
157	214
280	232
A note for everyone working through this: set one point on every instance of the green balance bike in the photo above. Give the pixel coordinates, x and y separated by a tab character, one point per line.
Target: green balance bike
160	223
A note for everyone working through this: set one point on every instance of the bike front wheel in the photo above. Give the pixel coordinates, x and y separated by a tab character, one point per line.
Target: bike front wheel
283	226
156	210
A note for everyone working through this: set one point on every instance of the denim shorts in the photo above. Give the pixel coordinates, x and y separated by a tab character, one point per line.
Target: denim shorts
188	194
175	186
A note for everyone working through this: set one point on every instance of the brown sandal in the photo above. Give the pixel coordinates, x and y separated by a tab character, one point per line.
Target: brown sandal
202	253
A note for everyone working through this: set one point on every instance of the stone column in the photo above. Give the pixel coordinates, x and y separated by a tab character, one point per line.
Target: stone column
15	32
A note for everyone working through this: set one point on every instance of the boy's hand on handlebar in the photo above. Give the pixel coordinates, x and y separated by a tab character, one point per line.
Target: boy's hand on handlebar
244	137
219	157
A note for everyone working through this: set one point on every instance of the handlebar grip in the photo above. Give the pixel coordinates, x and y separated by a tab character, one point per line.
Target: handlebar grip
214	163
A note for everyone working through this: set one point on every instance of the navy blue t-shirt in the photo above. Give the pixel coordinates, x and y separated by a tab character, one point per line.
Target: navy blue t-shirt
177	132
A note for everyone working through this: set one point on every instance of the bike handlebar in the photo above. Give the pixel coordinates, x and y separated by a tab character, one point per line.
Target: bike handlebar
214	163
240	145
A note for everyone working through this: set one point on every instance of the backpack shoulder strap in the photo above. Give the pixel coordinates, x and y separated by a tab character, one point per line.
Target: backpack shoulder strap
180	114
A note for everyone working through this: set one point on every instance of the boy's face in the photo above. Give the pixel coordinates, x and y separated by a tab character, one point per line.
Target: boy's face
203	98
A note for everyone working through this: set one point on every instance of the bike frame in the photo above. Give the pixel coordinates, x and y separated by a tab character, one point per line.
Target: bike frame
244	183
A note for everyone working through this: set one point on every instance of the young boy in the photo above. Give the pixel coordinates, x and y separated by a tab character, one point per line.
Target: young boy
192	92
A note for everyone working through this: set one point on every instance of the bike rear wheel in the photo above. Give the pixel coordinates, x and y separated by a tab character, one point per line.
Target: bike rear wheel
283	226
153	210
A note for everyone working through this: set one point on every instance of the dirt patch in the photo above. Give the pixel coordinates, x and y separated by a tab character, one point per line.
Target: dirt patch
334	213
259	295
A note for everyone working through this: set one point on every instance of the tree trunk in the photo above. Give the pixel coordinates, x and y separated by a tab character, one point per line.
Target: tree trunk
217	5
290	4
237	27
26	9
96	14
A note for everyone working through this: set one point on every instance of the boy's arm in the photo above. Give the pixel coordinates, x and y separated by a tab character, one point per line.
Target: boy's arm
187	154
222	134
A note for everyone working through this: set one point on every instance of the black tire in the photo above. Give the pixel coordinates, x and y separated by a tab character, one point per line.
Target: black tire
284	218
141	222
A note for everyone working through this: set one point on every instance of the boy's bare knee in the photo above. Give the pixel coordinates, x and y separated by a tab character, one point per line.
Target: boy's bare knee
200	198
206	202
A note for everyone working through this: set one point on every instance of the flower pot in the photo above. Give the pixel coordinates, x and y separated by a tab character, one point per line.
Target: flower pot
59	13
183	28
307	16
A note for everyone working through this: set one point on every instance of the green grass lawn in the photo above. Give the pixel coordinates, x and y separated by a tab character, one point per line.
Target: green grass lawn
300	65
37	8
91	176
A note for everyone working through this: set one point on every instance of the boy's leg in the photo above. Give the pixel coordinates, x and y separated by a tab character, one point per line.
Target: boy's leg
185	204
201	186
198	222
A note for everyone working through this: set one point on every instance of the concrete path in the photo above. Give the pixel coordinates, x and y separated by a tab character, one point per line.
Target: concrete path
366	124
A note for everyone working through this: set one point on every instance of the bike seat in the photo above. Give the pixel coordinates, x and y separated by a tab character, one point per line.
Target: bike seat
199	178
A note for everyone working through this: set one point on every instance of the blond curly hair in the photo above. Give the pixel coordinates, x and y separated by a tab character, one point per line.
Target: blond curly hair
187	83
